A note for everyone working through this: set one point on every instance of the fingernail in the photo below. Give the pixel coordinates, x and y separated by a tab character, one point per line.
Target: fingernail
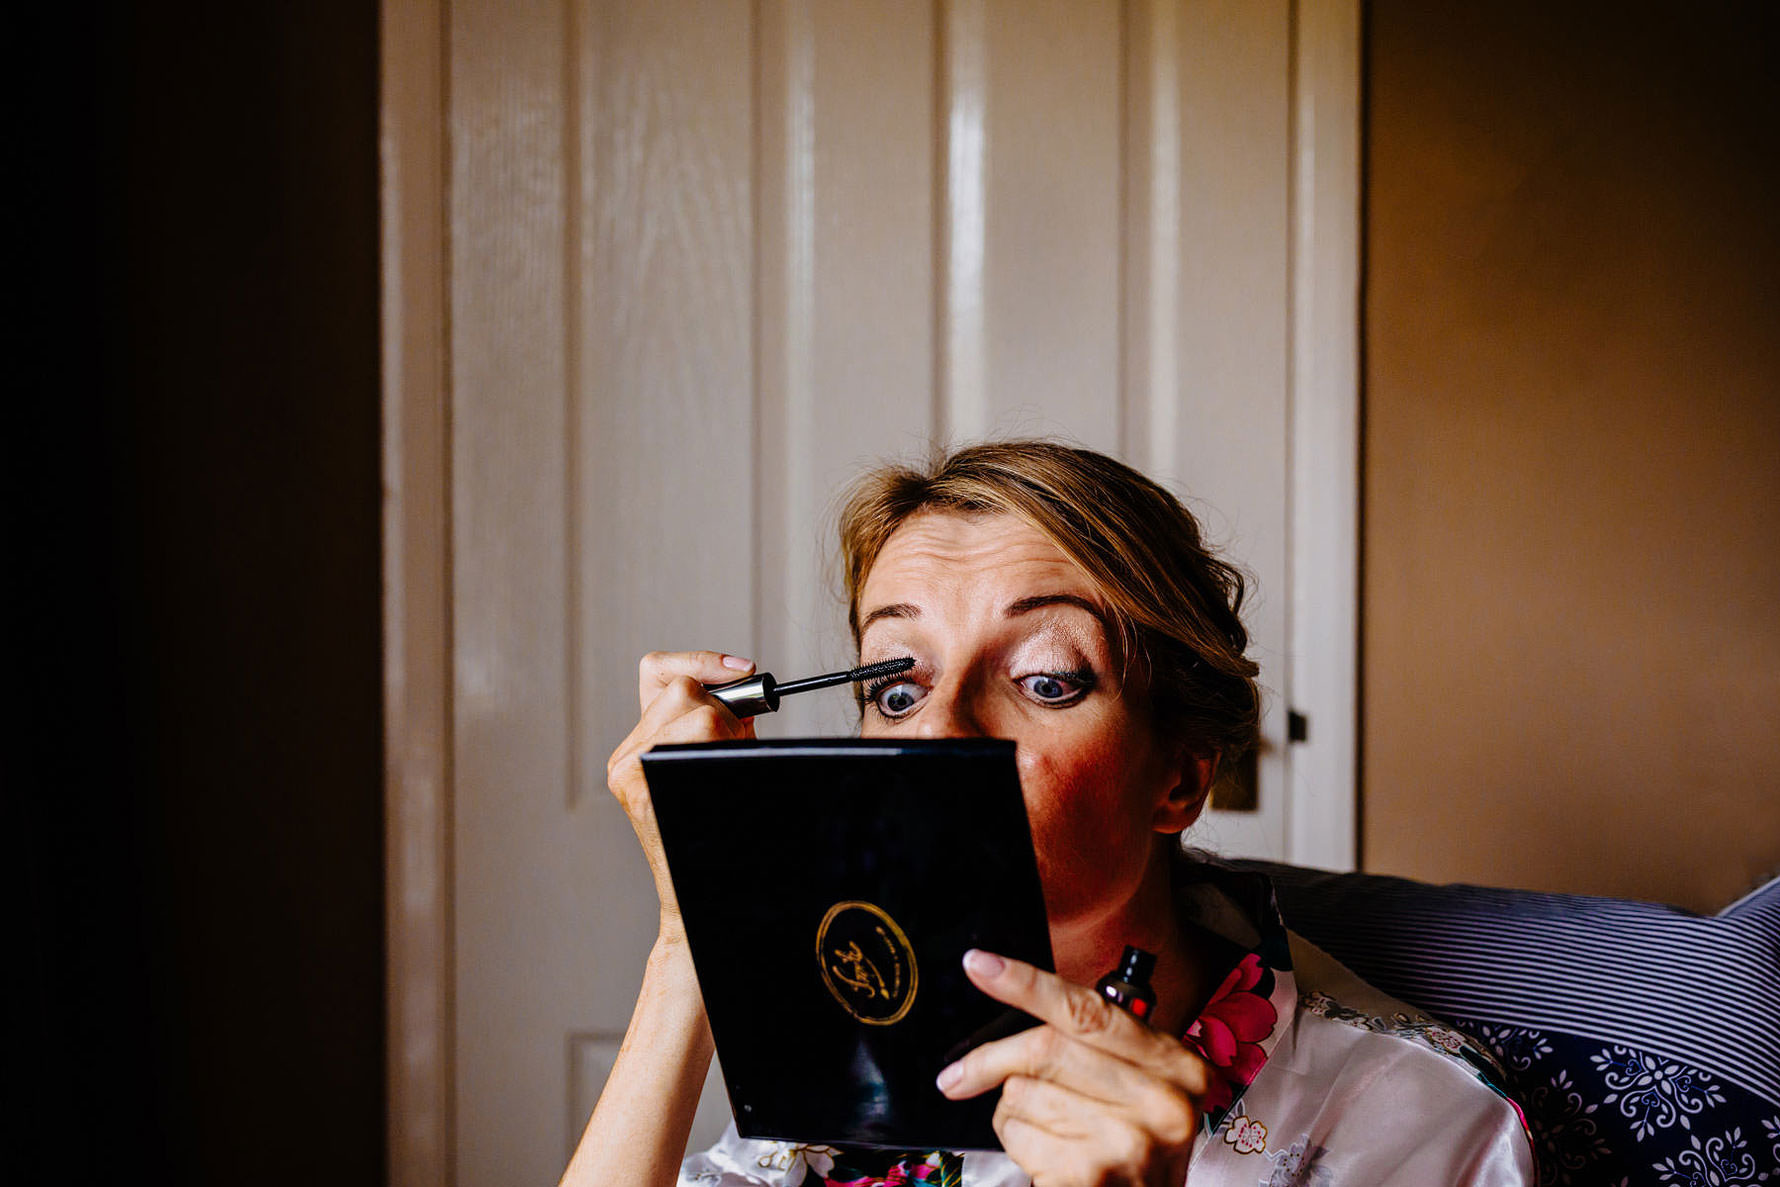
983	964
737	662
947	1079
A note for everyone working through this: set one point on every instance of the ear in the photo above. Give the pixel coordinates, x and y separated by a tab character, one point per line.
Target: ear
1178	809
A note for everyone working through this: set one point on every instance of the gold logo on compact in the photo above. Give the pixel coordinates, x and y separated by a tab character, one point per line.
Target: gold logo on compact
867	962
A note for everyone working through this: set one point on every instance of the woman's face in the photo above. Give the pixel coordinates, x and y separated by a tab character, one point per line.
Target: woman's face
1011	640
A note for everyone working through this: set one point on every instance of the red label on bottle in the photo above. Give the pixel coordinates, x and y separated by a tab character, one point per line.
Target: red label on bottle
1138	1006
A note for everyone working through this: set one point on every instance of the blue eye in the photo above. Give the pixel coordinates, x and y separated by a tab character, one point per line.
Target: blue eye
894	698
1056	688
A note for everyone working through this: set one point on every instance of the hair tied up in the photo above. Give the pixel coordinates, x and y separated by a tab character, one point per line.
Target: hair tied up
1175	604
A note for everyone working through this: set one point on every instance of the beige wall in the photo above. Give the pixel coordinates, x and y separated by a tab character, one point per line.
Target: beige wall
1571	648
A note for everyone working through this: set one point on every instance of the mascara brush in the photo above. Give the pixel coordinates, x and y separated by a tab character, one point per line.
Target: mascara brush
753	695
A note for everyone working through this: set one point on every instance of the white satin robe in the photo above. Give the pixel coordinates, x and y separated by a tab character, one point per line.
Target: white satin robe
1345	1087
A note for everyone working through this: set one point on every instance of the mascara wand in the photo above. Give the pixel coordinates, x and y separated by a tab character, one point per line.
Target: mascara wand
753	695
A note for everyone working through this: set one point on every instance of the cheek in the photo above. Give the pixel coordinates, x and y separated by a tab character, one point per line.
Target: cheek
1089	839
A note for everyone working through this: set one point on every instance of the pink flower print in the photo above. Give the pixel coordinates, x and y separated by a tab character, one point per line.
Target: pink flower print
1246	1134
900	1175
1229	1031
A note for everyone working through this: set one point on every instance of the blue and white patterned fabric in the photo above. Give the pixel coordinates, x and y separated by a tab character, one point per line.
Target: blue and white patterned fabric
1642	1041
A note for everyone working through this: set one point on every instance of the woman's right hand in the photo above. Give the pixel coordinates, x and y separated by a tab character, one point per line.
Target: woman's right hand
675	708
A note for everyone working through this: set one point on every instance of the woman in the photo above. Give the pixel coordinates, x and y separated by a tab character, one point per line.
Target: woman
1056	597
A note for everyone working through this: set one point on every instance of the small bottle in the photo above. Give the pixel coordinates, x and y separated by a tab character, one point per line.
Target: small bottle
1128	986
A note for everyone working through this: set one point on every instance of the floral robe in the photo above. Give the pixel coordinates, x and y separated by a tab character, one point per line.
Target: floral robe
1321	1081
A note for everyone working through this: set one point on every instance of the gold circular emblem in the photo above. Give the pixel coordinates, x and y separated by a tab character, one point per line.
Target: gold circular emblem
866	962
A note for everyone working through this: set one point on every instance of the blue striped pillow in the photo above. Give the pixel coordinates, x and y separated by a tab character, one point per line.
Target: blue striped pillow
1642	1040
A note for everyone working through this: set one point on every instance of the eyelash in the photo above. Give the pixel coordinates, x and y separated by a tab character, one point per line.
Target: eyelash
876	688
1081	678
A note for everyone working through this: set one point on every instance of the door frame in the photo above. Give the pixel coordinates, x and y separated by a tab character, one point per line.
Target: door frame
415	247
1323	631
1323	609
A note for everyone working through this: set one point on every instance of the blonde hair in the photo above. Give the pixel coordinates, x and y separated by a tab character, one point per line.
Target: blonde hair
1175	605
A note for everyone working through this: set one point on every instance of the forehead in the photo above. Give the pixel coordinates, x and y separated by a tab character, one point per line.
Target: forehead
949	555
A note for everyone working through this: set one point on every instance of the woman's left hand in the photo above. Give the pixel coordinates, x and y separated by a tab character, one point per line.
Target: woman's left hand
1092	1096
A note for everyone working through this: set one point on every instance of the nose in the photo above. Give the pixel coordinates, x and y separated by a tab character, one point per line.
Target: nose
952	711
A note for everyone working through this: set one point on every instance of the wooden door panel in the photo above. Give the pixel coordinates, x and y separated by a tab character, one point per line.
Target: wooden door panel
1051	164
602	227
846	320
659	348
1232	341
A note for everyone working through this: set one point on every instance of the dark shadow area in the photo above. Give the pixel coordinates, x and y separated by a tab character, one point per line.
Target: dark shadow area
196	808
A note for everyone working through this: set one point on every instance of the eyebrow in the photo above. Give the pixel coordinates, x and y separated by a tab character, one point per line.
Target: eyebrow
894	610
1012	610
1040	601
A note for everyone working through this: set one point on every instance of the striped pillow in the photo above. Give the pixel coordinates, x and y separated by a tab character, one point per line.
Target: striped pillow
1642	1040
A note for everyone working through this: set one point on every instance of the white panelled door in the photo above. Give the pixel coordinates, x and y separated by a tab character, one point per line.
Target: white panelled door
709	260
